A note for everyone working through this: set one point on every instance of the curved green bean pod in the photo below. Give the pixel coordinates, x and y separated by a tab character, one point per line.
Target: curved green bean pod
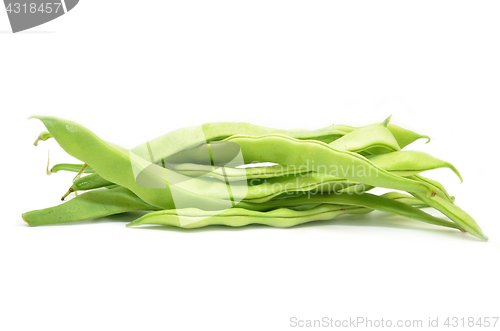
278	149
408	163
289	151
178	140
236	217
454	213
426	162
405	137
89	205
376	139
370	138
387	203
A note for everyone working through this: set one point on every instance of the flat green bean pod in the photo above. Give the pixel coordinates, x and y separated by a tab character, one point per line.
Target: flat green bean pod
226	173
405	137
464	220
289	151
372	139
178	140
164	147
306	154
235	217
408	163
387	203
89	205
283	217
368	138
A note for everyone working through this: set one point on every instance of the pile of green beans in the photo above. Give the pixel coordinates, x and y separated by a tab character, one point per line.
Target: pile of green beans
236	174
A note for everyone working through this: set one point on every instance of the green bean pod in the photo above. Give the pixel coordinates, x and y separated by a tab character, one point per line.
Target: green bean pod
387	203
235	217
89	205
405	137
408	163
88	182
371	139
70	167
321	156
178	140
307	153
195	218
460	217
101	203
225	173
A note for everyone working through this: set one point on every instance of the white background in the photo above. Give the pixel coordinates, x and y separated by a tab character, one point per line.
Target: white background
132	70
